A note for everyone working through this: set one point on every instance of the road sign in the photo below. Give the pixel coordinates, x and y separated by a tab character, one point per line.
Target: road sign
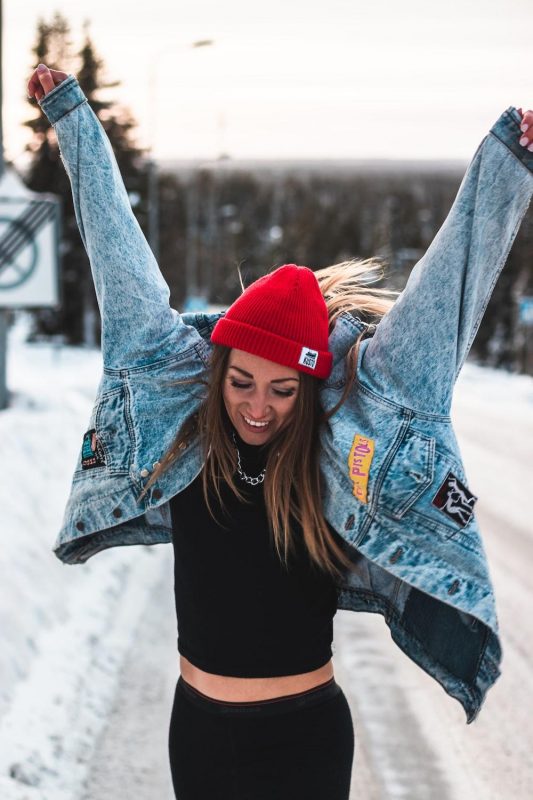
29	245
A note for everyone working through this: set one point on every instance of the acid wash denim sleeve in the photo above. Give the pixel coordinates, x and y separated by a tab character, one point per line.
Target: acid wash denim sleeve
419	347
138	324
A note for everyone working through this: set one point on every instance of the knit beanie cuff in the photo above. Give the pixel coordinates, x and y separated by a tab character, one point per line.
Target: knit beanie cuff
269	345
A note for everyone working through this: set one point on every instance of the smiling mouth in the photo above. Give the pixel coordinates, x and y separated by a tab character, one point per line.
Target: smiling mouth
256	426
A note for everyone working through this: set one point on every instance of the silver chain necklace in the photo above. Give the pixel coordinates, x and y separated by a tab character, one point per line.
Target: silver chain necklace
253	481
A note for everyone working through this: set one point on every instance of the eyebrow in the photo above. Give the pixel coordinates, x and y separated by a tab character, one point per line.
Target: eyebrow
249	375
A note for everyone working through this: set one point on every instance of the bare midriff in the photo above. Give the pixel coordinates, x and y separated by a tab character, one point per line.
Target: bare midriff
222	687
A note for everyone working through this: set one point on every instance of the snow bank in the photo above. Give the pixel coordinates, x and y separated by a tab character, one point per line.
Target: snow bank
64	629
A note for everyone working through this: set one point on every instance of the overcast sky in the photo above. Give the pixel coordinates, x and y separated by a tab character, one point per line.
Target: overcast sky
294	78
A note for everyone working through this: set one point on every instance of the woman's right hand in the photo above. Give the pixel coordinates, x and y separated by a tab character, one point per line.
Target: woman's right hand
43	80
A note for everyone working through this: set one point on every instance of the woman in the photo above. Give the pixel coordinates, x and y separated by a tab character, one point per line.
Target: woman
310	454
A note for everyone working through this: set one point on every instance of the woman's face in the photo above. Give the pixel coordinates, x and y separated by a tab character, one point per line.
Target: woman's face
258	391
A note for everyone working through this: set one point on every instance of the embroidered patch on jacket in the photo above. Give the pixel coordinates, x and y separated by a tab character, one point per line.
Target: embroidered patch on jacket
92	452
308	358
455	500
359	460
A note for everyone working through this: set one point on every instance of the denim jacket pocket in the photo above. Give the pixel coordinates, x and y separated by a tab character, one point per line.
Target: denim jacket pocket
448	507
427	489
107	444
409	474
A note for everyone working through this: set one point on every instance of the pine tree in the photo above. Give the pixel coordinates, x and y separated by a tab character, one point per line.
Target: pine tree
77	318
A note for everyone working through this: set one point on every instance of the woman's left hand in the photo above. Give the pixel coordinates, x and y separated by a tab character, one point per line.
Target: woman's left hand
526	138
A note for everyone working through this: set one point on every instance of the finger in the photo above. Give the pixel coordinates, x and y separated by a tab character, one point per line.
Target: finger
527	117
526	128
35	89
58	76
47	82
34	86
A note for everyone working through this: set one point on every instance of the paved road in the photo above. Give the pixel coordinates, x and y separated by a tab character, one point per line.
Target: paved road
411	737
130	761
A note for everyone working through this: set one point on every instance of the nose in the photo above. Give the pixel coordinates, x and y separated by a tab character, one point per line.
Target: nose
258	406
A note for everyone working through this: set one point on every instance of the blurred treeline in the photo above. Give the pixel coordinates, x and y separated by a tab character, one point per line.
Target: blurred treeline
212	219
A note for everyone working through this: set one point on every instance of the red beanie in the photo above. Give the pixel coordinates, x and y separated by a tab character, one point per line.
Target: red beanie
282	317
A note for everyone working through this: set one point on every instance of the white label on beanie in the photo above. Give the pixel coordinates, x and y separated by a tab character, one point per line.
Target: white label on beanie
308	358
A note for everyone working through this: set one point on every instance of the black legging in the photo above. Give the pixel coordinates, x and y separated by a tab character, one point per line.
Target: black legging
287	748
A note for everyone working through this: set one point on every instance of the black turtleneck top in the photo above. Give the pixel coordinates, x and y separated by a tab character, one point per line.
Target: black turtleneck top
239	611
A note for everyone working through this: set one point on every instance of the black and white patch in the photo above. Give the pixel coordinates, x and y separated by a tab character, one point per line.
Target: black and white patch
455	500
92	452
308	358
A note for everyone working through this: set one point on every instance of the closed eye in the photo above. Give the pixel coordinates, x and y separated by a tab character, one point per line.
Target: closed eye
286	393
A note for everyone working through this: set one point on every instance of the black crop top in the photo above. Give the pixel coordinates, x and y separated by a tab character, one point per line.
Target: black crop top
239	611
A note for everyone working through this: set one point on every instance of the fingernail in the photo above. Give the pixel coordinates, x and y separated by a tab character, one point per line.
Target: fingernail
524	140
524	127
41	68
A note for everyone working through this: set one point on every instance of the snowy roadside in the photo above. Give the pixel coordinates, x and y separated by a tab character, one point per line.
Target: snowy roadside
58	712
492	414
64	630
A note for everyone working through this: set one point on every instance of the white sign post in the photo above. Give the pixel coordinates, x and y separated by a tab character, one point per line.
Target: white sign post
29	250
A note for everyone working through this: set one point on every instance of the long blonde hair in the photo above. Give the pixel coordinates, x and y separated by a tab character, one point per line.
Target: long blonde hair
292	485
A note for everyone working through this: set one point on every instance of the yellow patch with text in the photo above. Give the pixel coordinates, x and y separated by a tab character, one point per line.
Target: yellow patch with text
359	460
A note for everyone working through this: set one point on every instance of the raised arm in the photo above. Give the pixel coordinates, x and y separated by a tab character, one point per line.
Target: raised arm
419	347
138	324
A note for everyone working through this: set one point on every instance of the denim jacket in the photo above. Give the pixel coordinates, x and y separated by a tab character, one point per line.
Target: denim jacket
394	484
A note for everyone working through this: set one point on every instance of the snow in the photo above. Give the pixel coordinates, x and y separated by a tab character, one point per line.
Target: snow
65	630
492	413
